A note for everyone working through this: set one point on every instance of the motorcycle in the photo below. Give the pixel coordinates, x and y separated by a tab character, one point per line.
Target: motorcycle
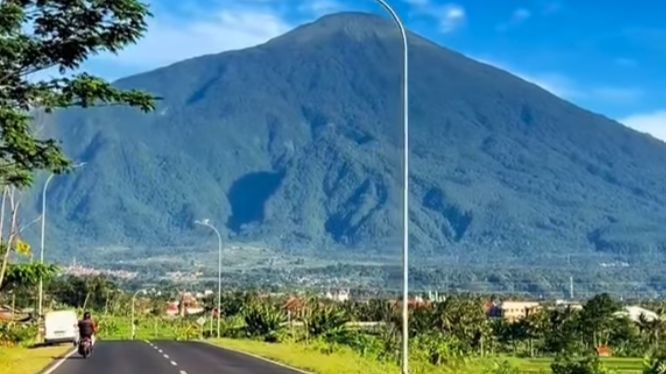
85	347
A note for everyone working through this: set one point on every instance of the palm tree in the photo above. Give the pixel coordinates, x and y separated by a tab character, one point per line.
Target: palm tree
652	329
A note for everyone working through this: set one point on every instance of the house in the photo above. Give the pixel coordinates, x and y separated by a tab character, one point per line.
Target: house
512	311
172	309
436	297
190	304
186	305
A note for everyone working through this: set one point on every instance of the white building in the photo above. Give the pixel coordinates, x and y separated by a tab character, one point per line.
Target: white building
339	295
634	313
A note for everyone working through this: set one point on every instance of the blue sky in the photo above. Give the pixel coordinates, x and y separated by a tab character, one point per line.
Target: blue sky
605	56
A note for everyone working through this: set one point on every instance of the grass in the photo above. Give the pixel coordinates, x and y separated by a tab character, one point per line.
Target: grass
309	358
344	360
620	365
19	360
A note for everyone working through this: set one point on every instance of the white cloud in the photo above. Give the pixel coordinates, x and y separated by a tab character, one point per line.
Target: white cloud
453	17
518	16
561	85
170	40
450	17
653	123
319	8
555	83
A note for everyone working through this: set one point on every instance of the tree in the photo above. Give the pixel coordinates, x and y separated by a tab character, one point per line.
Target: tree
597	319
652	329
55	35
39	35
465	319
27	275
320	319
563	331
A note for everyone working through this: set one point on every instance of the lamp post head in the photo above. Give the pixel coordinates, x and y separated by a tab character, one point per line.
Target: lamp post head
204	222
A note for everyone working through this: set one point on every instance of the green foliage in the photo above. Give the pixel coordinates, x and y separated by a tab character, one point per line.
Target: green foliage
461	318
597	320
17	333
504	367
94	292
323	319
438	349
655	364
58	34
573	364
263	320
27	275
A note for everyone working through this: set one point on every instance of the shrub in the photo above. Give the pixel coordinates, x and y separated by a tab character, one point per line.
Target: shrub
263	320
572	364
323	320
13	334
655	364
438	349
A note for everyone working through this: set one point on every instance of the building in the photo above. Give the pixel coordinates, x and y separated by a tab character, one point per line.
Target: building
566	304
339	295
636	313
187	304
512	311
172	309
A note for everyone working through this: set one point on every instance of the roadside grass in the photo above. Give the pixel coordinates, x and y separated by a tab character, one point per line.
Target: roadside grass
343	360
309	358
314	359
20	360
621	365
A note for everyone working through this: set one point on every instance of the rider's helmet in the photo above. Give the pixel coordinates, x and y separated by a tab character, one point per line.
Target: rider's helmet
86	315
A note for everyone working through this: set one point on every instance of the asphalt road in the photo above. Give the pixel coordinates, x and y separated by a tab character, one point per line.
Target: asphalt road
163	358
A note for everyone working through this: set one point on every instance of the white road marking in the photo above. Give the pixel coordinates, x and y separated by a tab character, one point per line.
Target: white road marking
59	362
160	351
297	370
183	372
174	363
166	356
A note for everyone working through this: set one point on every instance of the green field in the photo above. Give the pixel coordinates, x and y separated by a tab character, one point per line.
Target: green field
542	365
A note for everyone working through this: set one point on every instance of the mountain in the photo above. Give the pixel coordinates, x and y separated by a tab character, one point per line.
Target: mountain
296	144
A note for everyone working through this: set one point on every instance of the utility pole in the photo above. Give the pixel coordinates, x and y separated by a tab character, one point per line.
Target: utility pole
571	288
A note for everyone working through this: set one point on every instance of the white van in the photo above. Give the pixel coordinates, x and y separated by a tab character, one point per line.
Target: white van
61	326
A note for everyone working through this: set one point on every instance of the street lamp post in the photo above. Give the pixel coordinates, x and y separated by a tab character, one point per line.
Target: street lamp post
143	292
206	222
43	238
405	213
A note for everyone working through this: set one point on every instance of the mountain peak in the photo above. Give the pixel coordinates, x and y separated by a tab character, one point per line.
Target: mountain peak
357	25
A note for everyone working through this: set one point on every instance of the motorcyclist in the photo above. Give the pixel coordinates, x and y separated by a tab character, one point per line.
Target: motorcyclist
87	328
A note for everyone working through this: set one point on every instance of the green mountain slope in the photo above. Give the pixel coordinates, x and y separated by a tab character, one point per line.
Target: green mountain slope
296	144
